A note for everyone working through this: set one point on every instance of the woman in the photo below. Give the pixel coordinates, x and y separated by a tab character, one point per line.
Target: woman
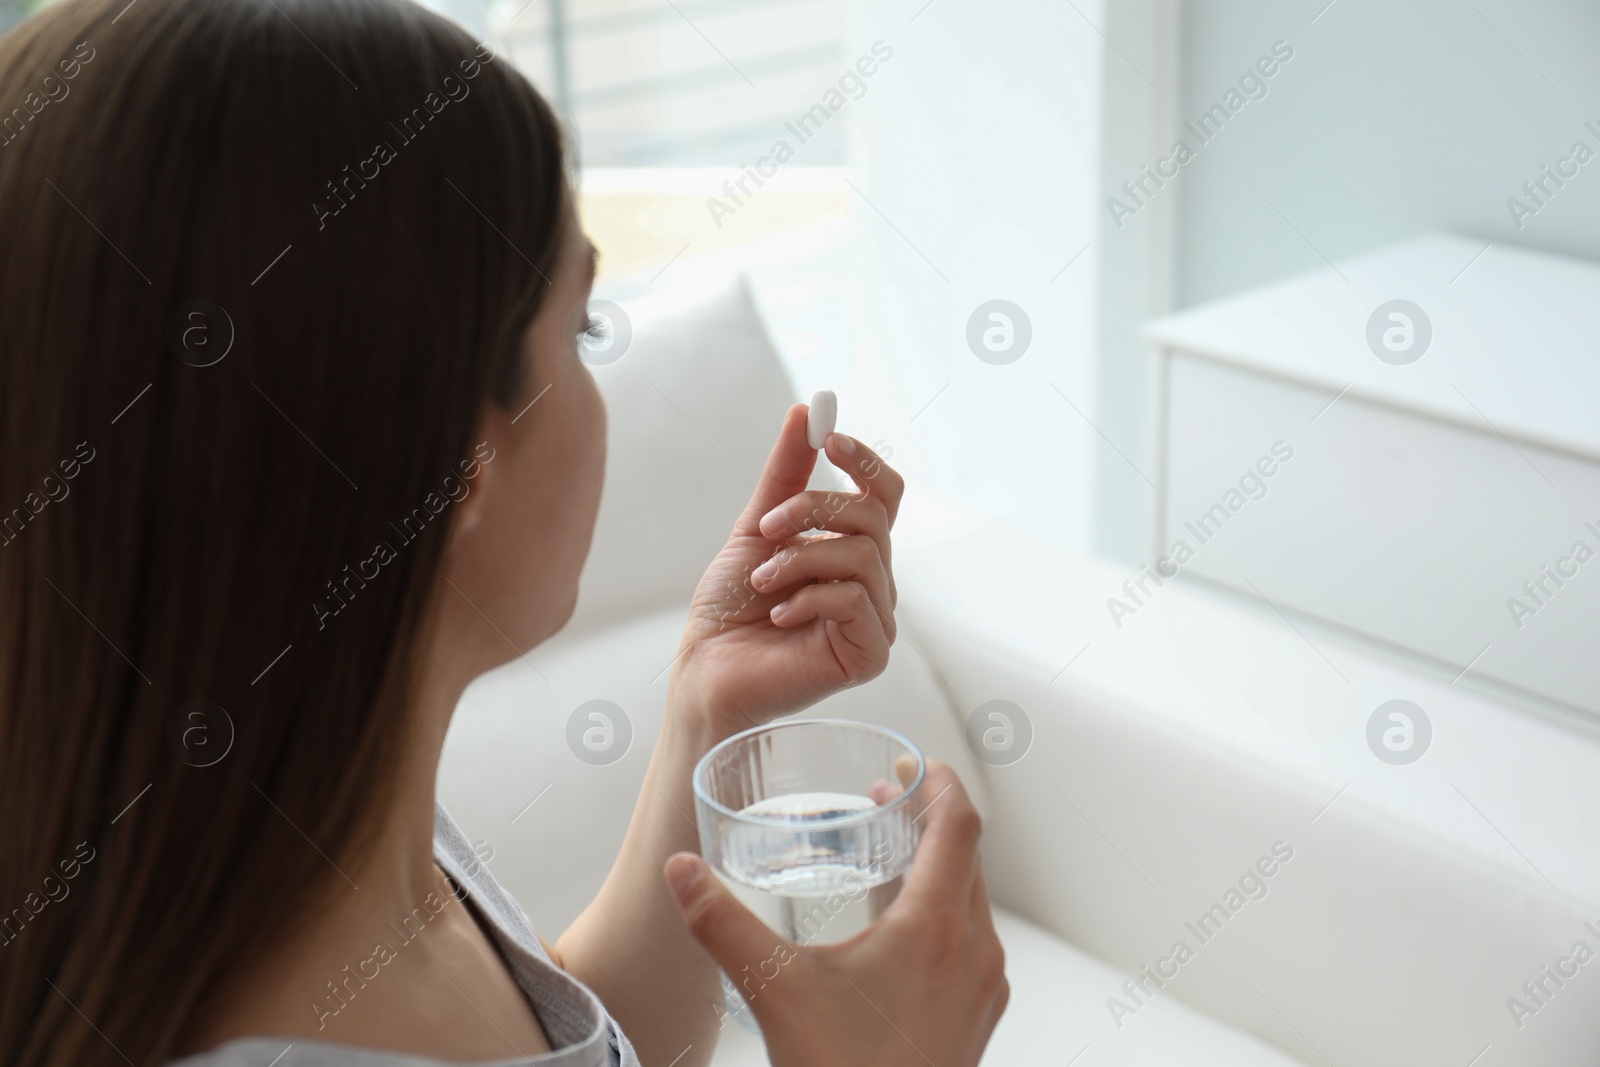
300	444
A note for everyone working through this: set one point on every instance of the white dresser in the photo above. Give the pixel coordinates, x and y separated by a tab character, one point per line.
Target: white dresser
1406	445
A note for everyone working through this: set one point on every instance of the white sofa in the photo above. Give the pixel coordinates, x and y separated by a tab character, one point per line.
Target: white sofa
1169	758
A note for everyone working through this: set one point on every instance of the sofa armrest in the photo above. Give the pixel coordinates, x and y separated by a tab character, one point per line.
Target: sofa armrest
1202	741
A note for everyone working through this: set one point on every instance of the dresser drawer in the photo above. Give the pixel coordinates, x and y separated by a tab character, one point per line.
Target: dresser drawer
1454	543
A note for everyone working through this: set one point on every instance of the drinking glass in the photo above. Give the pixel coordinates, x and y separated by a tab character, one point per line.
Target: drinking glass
807	824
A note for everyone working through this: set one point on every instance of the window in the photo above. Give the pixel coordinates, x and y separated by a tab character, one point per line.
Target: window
678	82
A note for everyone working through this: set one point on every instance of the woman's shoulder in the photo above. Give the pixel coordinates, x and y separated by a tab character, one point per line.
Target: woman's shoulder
572	1014
580	1030
468	864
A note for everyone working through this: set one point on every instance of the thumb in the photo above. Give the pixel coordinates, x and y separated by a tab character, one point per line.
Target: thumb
728	931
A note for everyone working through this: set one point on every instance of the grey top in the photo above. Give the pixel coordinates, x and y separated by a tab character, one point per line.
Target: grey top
581	1032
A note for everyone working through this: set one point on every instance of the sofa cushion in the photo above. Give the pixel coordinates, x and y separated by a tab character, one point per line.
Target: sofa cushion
1058	1015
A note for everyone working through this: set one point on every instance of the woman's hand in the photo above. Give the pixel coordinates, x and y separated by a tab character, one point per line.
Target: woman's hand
925	983
739	666
780	621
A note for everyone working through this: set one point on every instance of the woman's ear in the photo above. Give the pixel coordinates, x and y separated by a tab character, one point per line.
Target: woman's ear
477	472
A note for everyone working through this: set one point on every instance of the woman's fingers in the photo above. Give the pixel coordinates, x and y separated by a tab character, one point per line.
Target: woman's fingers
981	913
835	512
983	922
824	509
832	559
828	509
905	769
860	642
788	469
868	470
731	934
945	868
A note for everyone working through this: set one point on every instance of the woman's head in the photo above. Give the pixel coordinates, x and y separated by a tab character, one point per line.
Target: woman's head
290	288
511	568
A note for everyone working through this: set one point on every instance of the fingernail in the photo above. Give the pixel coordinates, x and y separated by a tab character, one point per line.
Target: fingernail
682	870
770	517
765	572
844	443
778	611
905	768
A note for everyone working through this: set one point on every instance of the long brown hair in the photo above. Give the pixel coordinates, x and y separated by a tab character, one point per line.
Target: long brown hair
262	263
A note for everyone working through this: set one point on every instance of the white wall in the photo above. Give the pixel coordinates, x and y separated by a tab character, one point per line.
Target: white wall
1393	118
975	155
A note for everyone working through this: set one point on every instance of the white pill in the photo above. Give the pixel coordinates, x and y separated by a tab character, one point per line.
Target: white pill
824	413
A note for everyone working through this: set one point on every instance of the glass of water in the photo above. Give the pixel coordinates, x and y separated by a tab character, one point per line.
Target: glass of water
807	823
